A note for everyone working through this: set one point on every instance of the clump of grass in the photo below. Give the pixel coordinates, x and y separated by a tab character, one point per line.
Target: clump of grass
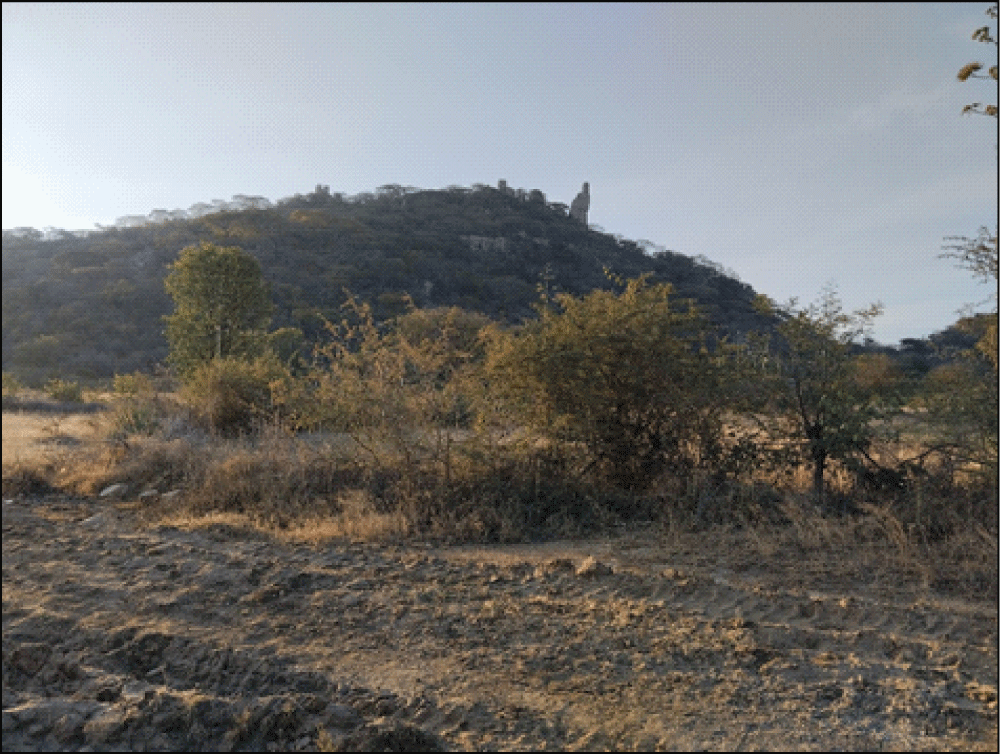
358	518
28	479
503	502
277	481
876	545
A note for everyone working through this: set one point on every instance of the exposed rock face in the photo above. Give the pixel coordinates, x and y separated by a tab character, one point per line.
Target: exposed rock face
484	243
578	209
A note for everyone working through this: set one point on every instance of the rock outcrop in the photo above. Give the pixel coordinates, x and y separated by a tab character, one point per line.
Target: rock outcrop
578	209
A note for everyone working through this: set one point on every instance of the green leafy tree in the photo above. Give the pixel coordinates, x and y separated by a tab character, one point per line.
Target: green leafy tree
823	399
959	403
222	306
625	373
961	399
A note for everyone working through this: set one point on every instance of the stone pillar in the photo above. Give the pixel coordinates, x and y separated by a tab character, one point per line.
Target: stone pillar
578	209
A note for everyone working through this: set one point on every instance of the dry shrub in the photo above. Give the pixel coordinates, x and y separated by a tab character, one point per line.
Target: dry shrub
265	477
359	519
158	464
470	488
878	545
270	480
28	479
262	485
704	500
146	415
507	497
232	397
967	563
138	462
64	391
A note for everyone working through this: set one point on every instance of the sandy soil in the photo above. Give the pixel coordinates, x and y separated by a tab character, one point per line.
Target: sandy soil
121	635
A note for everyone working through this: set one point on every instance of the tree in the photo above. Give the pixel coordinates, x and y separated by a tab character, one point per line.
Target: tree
960	399
826	397
222	306
625	373
980	255
971	70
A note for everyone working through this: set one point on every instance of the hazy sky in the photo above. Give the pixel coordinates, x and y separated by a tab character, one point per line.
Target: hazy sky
797	145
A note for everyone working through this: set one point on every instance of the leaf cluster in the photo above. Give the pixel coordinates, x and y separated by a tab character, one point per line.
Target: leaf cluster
971	70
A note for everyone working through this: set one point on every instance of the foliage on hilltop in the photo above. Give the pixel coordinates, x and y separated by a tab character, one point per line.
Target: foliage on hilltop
93	305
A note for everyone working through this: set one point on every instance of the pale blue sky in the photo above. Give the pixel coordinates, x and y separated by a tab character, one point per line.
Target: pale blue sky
798	145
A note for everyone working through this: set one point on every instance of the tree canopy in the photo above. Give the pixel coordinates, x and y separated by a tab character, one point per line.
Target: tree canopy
222	306
826	396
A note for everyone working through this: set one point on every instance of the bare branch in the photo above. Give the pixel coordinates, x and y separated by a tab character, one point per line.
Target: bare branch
978	255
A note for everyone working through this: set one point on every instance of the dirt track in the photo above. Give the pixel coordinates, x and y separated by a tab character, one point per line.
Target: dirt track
121	636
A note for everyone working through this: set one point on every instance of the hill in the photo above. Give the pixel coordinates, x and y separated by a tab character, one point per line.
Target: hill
91	305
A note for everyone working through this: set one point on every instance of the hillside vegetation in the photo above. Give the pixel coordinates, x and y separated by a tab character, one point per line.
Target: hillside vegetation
91	306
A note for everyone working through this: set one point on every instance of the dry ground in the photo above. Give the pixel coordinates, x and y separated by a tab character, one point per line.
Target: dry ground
121	633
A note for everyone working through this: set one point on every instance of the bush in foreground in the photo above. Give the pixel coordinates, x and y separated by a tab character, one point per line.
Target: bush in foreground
232	397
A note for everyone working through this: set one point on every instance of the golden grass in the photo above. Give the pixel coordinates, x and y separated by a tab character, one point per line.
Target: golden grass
31	437
320	488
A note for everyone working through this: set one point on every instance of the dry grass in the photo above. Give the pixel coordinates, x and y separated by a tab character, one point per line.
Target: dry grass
323	487
39	437
358	520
